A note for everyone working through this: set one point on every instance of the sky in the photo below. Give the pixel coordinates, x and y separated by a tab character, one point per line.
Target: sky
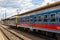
10	7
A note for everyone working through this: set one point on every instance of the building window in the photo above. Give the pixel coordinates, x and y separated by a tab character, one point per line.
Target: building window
52	17
45	18
59	16
39	18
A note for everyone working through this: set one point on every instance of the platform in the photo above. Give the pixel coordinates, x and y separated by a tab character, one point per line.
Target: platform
1	36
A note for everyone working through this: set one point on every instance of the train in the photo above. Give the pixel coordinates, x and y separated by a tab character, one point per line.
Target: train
45	20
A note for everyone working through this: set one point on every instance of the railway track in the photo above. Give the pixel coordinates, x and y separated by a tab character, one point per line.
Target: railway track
10	35
32	35
44	37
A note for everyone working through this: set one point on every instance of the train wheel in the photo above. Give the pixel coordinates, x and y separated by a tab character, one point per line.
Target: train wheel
34	30
26	29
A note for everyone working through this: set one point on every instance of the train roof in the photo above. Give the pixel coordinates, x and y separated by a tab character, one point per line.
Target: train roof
41	8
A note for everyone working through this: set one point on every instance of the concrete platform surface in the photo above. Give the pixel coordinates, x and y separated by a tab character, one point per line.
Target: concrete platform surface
1	36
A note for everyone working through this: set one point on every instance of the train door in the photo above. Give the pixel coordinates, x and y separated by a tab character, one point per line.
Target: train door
31	22
39	19
35	19
58	17
35	22
53	20
45	20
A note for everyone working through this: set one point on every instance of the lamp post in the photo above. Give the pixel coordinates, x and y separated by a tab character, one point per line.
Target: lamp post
5	17
17	18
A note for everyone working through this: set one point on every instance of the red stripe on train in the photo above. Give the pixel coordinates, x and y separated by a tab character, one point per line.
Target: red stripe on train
53	27
50	27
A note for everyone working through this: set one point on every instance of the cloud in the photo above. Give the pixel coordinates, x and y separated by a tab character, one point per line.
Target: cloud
9	12
55	0
9	3
37	2
15	3
24	5
50	1
12	5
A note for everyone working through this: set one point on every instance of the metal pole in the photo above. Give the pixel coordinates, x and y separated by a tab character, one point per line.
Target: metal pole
17	12
17	18
5	17
5	14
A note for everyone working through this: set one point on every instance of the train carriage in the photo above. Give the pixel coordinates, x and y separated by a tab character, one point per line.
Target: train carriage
45	20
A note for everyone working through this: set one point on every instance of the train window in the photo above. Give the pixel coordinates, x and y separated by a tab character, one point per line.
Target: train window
27	20
35	19
59	16
45	18
52	17
30	19
23	20
39	18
